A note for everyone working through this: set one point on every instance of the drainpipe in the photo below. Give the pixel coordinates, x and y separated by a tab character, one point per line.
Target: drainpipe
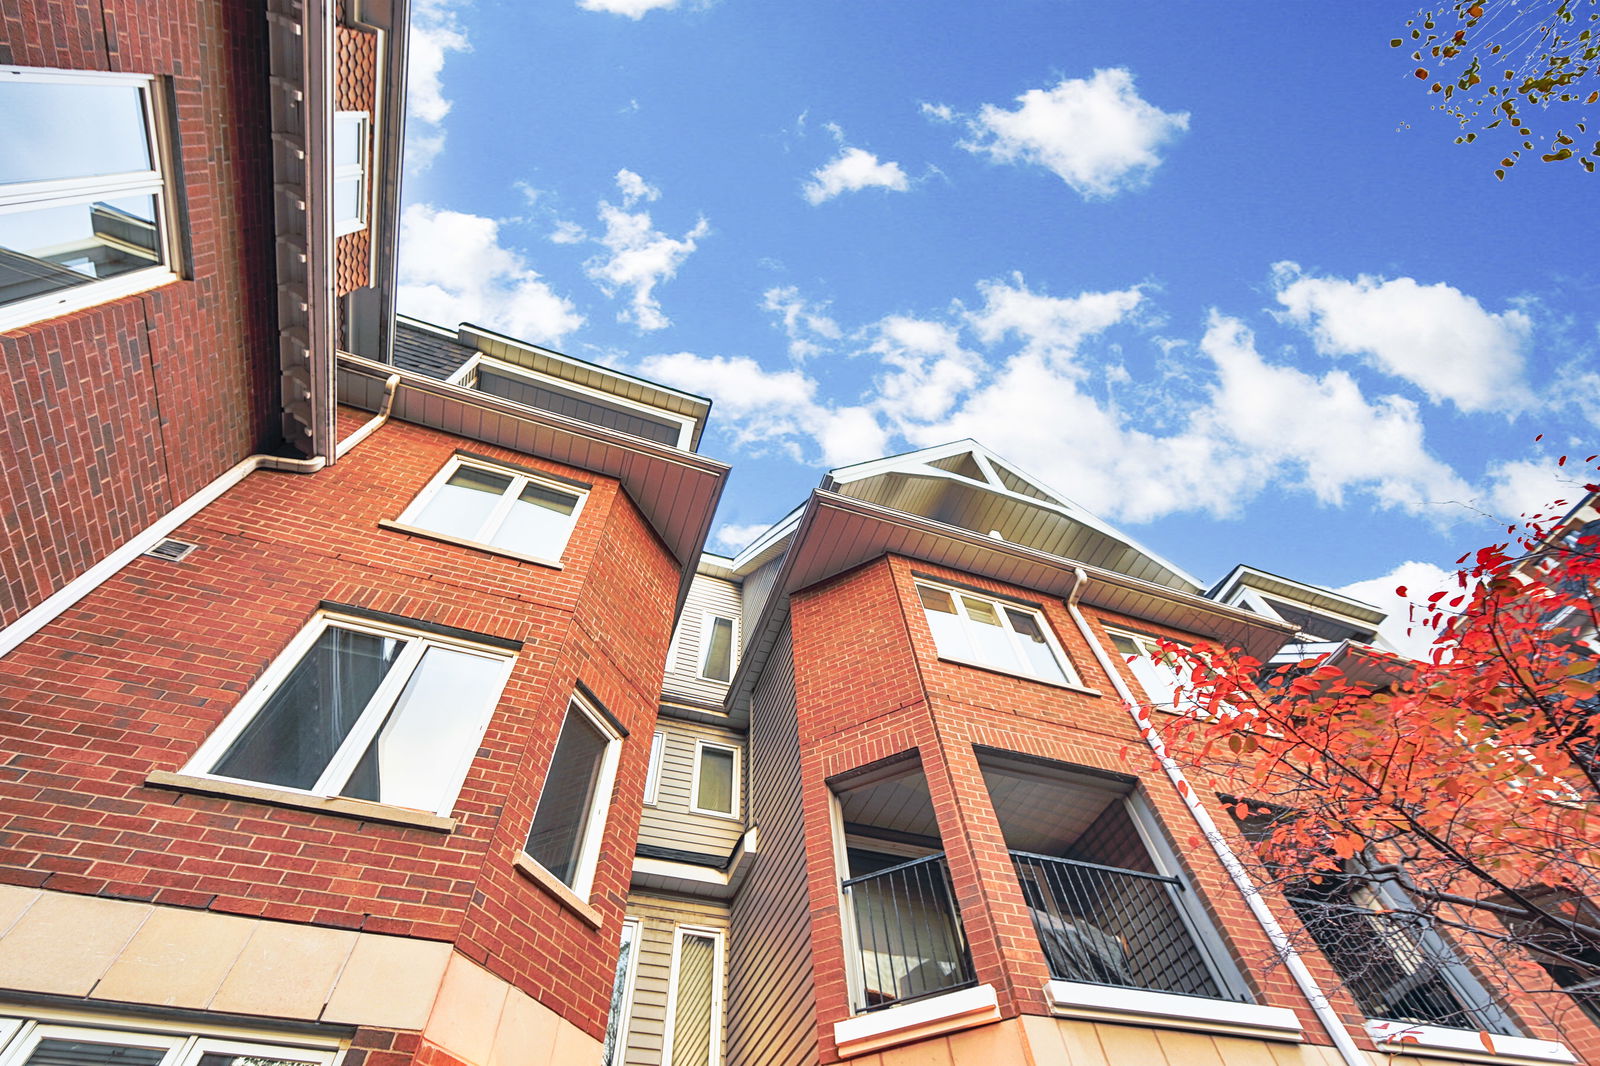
1296	966
12	636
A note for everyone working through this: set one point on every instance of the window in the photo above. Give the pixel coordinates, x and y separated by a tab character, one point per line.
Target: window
985	632
350	137
84	208
499	507
622	993
694	1000
35	1042
571	816
652	775
1156	671
364	710
716	648
716	779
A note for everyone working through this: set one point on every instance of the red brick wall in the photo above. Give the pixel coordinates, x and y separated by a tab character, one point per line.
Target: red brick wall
136	675
356	88
115	414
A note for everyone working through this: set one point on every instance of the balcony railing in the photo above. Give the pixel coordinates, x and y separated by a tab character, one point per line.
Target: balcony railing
1393	965
908	935
1108	926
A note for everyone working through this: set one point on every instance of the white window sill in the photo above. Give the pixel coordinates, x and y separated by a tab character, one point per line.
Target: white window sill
282	797
558	889
950	1012
39	309
1168	1010
445	538
1404	1038
1003	672
724	815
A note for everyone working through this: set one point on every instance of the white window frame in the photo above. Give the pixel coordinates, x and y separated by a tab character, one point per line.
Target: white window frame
1148	650
183	1045
718	995
599	804
706	618
342	765
358	170
630	978
1001	605
652	773
734	794
20	196
519	480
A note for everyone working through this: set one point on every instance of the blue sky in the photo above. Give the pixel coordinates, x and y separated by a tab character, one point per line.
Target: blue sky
1215	272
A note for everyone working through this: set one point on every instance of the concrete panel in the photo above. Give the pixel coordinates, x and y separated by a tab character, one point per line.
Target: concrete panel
64	943
389	982
467	1012
527	1033
178	958
285	971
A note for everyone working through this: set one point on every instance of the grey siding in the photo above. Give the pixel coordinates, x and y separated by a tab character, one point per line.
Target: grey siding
772	1010
670	823
706	595
658	917
756	590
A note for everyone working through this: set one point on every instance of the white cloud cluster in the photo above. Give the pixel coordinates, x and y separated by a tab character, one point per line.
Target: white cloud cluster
454	268
734	538
1420	580
808	325
633	9
435	33
1434	336
852	170
638	256
1528	487
1096	134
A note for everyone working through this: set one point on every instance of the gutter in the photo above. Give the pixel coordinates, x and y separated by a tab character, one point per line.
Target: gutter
64	598
1296	966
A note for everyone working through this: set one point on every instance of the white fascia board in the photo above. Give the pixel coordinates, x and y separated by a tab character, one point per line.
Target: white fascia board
1404	1038
1169	1010
921	1020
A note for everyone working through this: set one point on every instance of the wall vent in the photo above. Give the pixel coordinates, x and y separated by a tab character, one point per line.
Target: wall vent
171	550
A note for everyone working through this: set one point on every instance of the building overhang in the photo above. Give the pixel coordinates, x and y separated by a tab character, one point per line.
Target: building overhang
676	491
1312	596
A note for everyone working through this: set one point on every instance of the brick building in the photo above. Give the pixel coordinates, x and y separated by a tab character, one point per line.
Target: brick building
366	695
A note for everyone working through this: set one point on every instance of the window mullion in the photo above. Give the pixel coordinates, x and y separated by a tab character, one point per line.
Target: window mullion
497	517
372	717
38	193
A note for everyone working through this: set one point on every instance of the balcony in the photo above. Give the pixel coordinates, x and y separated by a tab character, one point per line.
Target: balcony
908	940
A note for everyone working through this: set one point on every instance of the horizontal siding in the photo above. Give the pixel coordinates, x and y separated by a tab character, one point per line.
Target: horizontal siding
683	680
772	1008
658	918
670	823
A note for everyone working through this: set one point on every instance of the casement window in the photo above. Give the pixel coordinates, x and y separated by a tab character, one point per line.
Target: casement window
570	820
622	994
716	647
1157	672
652	775
498	507
85	208
975	629
67	1040
693	1034
365	710
351	131
716	779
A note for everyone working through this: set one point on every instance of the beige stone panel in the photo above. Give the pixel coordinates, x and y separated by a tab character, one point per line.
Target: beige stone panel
285	970
935	1052
1060	1042
64	943
1242	1051
1128	1045
1306	1055
1190	1049
1000	1043
527	1033
467	1011
14	899
178	958
575	1047
873	1059
389	981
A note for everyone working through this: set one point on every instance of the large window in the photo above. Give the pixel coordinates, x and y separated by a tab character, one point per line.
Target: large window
364	710
86	1042
571	817
350	136
694	999
716	648
84	207
716	779
994	633
499	507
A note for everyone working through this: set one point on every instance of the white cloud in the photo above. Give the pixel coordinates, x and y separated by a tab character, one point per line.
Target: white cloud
734	538
1434	336
1096	134
1529	487
938	112
925	369
568	233
1049	326
435	33
639	257
454	268
807	325
1420	580
852	170
633	9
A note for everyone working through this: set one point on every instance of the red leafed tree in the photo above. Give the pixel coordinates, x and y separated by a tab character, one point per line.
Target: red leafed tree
1466	786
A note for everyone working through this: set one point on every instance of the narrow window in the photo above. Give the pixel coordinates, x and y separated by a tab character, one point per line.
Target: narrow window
1157	671
84	201
694	1000
365	711
498	507
716	639
715	779
350	136
652	778
622	993
985	632
570	819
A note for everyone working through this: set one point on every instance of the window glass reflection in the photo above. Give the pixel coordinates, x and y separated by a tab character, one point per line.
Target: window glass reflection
64	130
48	249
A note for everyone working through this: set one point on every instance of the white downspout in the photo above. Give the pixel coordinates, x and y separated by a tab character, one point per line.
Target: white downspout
1352	1055
53	606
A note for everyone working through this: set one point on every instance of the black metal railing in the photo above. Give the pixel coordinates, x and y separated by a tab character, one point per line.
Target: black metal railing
908	935
1393	965
1106	925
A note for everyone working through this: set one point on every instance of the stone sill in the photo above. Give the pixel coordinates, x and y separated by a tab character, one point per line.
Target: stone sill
281	797
950	1012
557	888
1464	1045
1168	1010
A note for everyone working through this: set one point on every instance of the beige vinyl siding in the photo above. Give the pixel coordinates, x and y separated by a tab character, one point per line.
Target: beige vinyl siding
659	917
670	823
756	590
772	1012
707	595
